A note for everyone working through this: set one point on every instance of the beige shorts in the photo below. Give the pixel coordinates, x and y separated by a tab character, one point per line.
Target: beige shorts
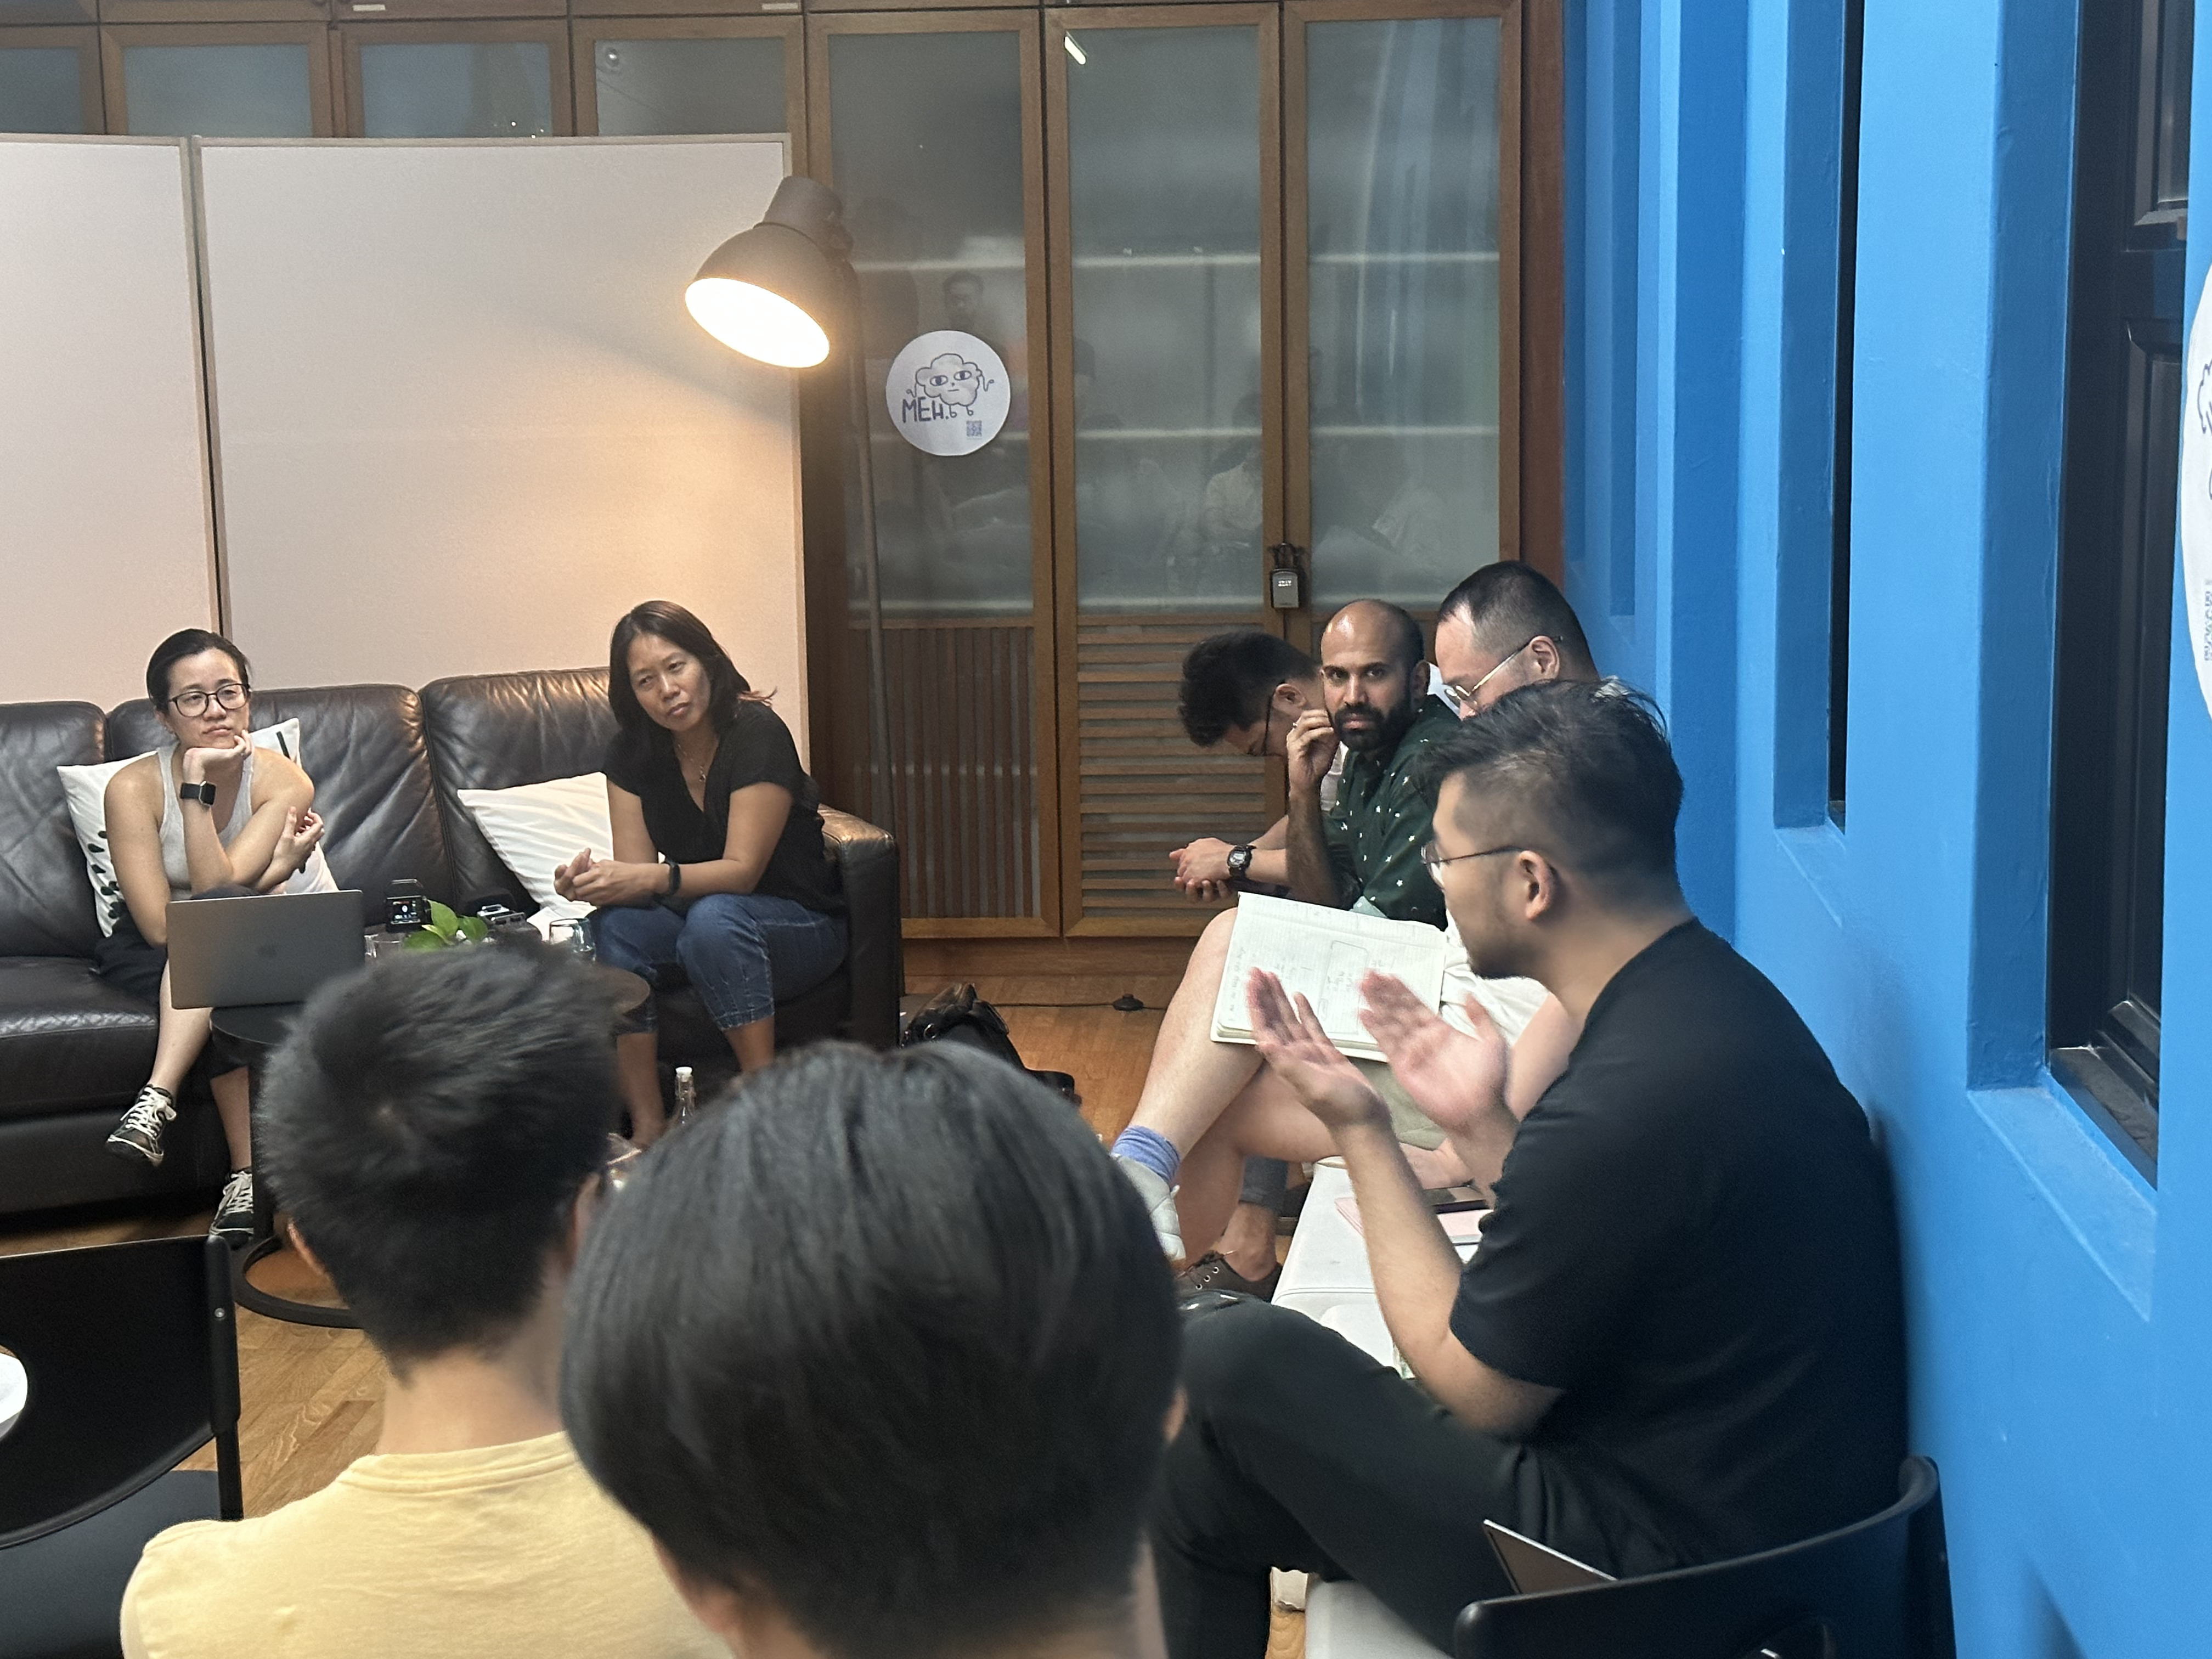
1407	1121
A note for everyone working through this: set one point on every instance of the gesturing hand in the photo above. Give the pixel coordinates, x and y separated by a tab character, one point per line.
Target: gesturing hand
1457	1079
565	875
609	882
296	839
1296	1050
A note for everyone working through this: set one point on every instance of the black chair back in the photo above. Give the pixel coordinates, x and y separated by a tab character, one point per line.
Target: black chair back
132	1357
1879	1588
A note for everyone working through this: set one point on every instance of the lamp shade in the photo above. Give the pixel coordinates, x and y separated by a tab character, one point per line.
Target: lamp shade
777	291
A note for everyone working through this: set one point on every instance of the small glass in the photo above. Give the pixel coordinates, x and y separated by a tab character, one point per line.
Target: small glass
621	1158
574	937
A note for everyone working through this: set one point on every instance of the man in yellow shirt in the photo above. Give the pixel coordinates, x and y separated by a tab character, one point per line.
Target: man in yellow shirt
438	1129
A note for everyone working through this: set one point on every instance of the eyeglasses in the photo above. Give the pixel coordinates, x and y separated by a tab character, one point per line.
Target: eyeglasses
193	704
1258	751
1464	697
1432	856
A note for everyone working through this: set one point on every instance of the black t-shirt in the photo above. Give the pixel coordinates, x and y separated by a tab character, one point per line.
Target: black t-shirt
756	748
1694	1239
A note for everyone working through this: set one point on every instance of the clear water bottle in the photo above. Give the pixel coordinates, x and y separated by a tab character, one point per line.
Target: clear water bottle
686	1098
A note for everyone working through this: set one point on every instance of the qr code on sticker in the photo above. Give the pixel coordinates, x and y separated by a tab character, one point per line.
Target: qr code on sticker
975	429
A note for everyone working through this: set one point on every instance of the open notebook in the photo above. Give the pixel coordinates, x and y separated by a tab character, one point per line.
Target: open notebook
1323	955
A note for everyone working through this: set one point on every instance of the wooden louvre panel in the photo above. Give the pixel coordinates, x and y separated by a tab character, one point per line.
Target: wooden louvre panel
964	768
1143	788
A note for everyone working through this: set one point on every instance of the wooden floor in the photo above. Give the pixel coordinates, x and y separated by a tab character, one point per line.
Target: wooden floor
311	1396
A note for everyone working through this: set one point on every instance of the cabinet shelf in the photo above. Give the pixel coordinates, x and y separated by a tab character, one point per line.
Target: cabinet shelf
1464	256
1164	434
947	266
1192	261
1004	437
936	266
1440	429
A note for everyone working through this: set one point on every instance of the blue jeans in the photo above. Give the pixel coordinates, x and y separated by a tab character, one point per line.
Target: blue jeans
740	951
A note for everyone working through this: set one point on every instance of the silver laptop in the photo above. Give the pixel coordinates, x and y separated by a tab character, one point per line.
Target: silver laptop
1536	1567
267	947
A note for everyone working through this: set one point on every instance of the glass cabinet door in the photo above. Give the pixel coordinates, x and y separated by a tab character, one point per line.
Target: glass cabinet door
218	80
457	80
933	137
637	78
1400	211
50	81
1169	487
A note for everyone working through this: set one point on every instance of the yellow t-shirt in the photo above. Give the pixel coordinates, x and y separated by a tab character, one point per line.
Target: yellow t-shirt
502	1553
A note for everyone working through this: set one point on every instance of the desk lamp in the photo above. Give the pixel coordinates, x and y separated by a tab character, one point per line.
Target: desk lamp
783	293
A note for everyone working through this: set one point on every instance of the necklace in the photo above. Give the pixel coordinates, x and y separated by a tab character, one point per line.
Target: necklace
697	770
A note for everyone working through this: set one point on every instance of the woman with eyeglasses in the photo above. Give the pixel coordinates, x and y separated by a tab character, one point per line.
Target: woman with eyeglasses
205	811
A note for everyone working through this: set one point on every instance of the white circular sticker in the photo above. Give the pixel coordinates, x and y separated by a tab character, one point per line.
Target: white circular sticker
2196	494
947	392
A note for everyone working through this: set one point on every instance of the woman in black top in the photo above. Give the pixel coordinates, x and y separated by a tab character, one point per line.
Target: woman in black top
718	875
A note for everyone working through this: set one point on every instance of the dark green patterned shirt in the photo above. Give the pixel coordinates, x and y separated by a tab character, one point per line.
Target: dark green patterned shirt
1381	823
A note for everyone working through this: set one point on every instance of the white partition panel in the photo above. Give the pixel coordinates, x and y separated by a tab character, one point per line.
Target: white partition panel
103	545
463	420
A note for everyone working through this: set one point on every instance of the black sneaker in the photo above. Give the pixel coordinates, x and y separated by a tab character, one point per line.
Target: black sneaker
234	1211
1212	1272
139	1135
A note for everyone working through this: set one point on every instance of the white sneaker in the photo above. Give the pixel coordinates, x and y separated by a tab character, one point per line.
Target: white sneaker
1159	1205
139	1135
234	1211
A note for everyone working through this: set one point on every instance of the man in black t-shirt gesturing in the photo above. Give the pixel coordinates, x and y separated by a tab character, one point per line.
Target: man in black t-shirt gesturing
1681	1337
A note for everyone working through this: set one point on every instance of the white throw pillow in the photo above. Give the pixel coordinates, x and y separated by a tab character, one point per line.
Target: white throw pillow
86	790
537	826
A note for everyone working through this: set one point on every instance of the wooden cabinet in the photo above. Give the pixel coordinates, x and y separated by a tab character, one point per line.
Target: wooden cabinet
1268	299
930	127
1167	232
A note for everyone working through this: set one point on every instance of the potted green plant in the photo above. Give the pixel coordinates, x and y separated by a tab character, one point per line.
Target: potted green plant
446	926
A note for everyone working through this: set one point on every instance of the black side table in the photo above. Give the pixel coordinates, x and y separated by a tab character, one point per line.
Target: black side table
261	1028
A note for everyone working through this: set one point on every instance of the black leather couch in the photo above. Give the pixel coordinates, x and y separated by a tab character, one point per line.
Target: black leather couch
386	762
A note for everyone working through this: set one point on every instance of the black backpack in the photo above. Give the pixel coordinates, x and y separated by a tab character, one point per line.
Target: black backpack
957	1014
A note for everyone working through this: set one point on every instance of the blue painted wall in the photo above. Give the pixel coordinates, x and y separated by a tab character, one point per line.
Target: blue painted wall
2060	1309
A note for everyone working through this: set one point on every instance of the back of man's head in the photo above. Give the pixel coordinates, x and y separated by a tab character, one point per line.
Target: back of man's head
430	1124
1578	771
885	1343
1228	678
1508	603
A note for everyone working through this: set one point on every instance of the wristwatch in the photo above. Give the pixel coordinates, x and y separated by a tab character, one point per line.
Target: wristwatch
202	793
1240	861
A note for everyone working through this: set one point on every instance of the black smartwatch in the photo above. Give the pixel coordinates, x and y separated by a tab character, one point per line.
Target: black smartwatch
1240	862
202	793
